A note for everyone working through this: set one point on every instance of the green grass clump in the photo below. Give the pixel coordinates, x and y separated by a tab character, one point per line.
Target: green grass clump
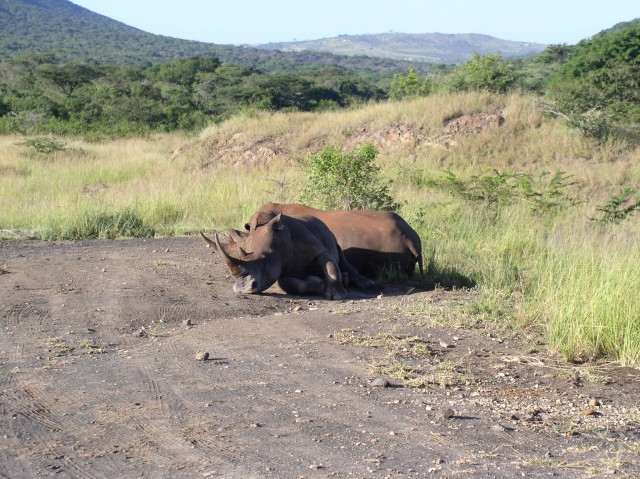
125	223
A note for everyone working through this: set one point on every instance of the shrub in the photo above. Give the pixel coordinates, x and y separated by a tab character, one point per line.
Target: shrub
598	89
44	145
409	86
484	72
348	181
619	207
493	188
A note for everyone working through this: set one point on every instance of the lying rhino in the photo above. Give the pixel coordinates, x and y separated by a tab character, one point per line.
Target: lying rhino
299	252
370	239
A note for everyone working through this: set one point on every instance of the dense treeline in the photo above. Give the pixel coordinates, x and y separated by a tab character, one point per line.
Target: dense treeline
42	95
597	87
593	85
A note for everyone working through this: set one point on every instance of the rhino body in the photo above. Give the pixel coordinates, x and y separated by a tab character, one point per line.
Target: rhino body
298	251
370	240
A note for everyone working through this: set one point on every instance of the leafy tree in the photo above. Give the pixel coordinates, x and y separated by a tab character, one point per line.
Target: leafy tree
560	53
70	76
408	86
184	72
484	72
349	180
40	95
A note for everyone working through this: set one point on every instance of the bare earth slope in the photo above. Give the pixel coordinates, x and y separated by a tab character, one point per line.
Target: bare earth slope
99	379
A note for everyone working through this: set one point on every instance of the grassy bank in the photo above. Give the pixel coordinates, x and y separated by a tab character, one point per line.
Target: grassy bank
516	209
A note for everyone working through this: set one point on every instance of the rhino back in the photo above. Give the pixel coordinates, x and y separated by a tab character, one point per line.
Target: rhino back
310	238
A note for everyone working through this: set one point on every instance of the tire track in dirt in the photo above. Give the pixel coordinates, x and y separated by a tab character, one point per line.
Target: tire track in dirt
34	419
26	318
164	421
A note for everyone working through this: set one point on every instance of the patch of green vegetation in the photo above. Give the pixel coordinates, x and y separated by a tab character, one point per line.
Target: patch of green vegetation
396	370
44	145
125	223
620	206
58	347
92	348
545	193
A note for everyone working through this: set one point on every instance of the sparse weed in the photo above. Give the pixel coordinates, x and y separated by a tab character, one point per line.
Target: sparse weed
155	330
396	370
58	347
92	348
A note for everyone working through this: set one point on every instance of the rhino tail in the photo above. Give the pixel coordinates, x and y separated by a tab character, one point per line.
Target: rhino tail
416	250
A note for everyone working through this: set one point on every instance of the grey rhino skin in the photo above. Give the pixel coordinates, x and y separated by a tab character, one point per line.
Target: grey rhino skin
299	252
370	240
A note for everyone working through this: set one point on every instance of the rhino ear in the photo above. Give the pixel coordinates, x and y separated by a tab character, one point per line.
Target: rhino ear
238	236
275	223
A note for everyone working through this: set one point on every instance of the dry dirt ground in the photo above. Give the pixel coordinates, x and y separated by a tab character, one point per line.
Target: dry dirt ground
99	378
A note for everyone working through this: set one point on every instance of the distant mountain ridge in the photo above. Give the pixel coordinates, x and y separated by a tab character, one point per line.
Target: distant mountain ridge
426	47
74	33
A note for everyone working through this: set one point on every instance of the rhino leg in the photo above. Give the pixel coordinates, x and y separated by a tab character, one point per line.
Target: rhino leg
303	286
333	276
353	276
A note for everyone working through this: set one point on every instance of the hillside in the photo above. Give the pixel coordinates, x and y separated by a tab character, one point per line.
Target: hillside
426	47
74	33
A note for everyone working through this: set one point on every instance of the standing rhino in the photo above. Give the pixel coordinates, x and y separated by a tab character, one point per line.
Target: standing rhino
299	252
370	239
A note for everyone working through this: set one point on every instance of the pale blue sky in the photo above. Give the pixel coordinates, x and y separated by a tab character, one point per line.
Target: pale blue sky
262	21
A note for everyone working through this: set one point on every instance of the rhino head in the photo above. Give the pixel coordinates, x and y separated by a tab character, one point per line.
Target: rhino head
255	259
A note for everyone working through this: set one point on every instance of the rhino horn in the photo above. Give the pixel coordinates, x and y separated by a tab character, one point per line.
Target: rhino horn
235	265
211	243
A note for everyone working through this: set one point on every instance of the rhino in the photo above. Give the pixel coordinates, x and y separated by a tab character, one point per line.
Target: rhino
298	252
370	240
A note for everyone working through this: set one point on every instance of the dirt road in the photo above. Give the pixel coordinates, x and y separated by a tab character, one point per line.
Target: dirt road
99	379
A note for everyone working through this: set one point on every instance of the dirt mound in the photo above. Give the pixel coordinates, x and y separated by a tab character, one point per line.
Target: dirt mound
243	152
466	125
388	138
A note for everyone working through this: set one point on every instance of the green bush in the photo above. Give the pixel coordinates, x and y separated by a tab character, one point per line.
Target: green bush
619	207
409	86
44	145
348	181
485	73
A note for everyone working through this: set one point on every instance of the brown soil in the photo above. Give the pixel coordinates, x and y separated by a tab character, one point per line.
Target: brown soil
100	377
